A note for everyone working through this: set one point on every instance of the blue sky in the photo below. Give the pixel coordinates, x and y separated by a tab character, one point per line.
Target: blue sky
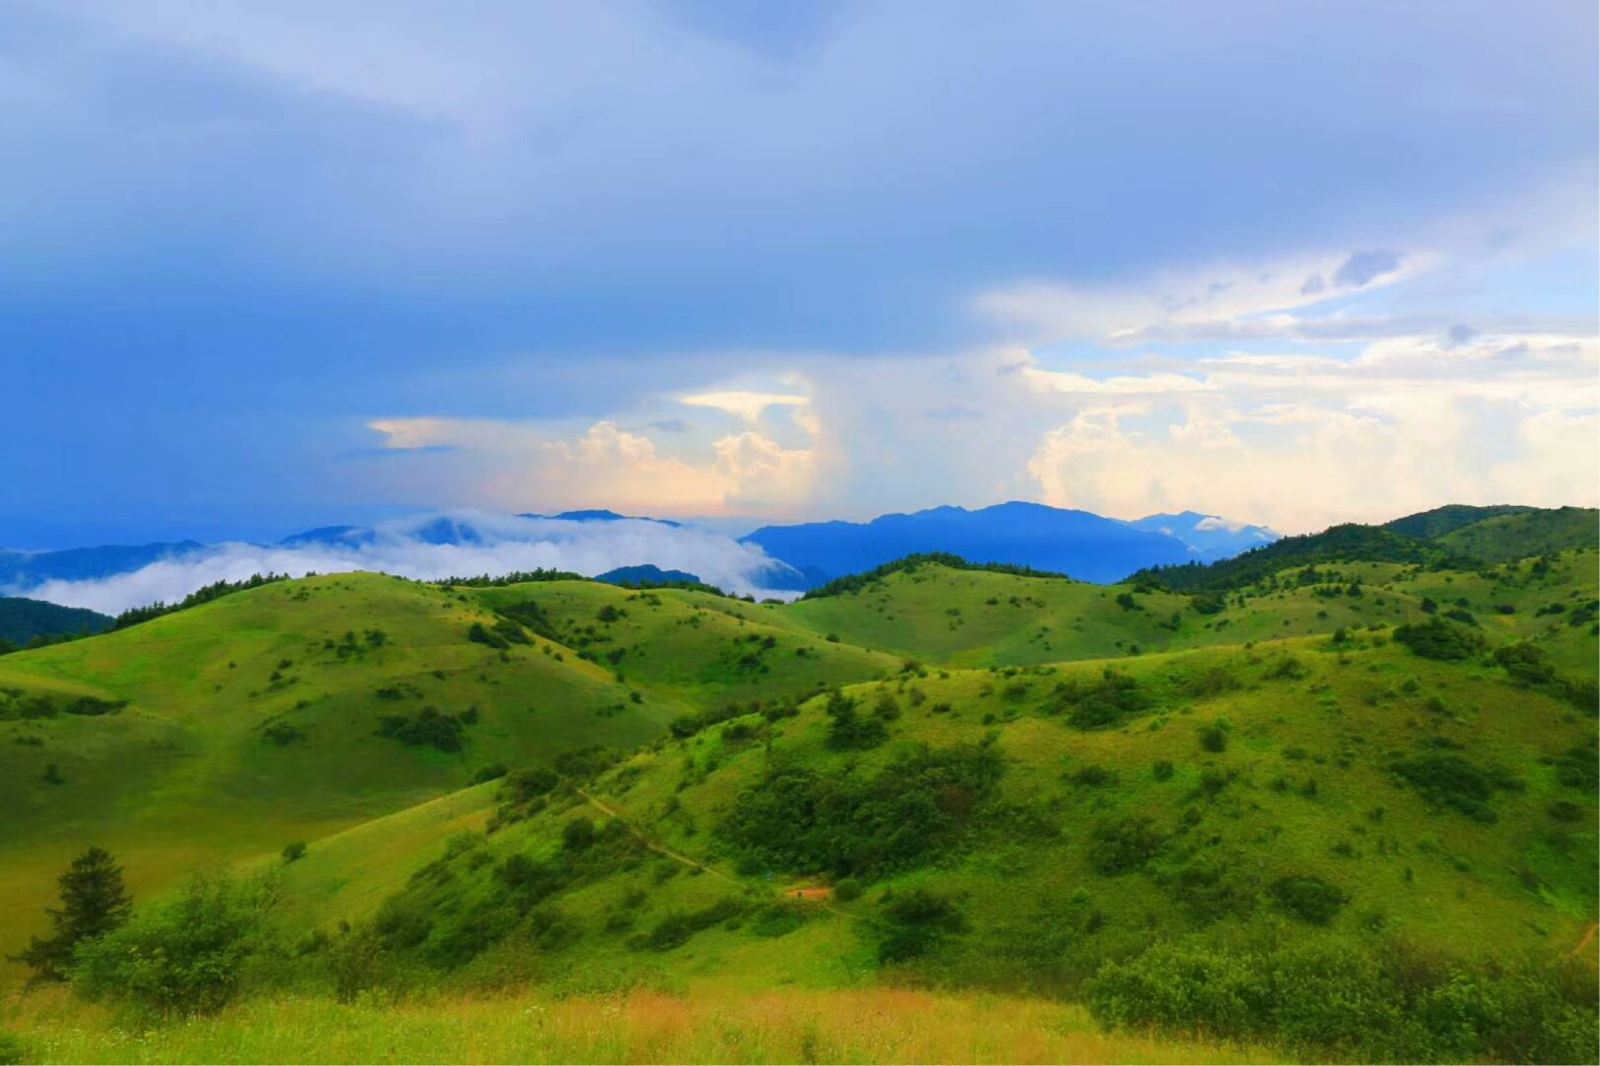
270	265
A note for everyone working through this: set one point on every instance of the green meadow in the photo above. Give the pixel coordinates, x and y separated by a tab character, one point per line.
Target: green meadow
1344	810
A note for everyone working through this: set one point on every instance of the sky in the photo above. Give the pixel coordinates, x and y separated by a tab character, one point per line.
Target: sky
274	265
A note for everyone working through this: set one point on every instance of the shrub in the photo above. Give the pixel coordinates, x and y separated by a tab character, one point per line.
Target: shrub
429	728
187	954
295	851
849	730
1122	845
520	786
1329	998
1309	898
1438	639
1446	779
578	834
492	772
482	634
847	889
1214	737
1101	704
915	923
921	804
283	734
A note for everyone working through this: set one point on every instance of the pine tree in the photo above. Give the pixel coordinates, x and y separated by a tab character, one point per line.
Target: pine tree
93	902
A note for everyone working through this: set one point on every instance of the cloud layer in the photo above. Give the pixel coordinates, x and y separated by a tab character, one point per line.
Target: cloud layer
501	544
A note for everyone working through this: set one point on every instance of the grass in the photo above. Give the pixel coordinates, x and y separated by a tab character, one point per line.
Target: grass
877	1025
1282	752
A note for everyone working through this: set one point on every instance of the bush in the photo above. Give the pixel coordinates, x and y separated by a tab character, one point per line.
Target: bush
1309	898
1122	845
915	923
1445	779
1438	639
429	728
1331	998
849	730
919	805
481	634
523	785
1101	704
847	889
492	772
1214	737
294	852
185	955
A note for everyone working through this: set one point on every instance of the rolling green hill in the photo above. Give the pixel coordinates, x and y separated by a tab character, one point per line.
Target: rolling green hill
1454	537
937	775
23	620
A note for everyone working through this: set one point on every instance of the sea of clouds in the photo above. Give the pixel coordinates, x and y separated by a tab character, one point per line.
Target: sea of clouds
485	543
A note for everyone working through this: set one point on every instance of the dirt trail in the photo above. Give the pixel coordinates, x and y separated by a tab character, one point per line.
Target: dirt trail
818	896
1588	938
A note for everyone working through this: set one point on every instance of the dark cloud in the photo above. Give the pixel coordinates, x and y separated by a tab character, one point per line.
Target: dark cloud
1363	267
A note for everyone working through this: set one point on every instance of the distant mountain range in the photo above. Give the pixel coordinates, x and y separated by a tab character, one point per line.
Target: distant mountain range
776	557
1077	543
1187	551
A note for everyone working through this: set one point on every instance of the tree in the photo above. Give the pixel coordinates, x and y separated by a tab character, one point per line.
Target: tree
93	902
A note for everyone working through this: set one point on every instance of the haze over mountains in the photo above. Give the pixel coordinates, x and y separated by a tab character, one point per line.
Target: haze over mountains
772	561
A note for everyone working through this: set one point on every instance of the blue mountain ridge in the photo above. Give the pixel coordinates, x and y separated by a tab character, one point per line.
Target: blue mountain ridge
1078	543
1084	545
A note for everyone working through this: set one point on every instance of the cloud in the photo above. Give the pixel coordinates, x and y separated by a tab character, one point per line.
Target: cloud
523	466
1303	443
747	405
1225	299
500	544
1362	268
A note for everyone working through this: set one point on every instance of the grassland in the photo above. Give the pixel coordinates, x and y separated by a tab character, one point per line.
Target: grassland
877	1025
1063	777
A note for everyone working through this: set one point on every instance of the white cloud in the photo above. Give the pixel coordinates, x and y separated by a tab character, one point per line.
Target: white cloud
501	543
747	405
519	466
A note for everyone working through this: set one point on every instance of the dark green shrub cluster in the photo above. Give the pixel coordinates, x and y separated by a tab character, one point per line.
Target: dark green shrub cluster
1334	998
185	955
1578	768
1214	737
848	729
429	727
1309	898
914	923
1446	779
918	806
282	733
501	634
1107	701
529	615
1438	639
1122	845
674	930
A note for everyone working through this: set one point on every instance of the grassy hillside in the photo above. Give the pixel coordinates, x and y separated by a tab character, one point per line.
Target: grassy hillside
1516	536
254	720
1428	525
952	777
